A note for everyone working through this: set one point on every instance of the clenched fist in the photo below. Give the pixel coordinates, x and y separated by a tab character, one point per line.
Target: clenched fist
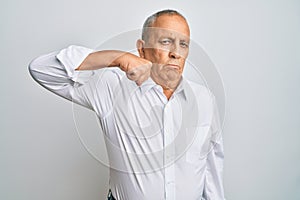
137	69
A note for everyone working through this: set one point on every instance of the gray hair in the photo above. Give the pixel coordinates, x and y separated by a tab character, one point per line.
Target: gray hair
151	19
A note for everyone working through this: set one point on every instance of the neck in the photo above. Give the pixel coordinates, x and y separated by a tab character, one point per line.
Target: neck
168	93
168	86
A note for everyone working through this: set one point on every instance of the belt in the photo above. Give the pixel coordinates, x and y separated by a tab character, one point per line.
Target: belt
110	196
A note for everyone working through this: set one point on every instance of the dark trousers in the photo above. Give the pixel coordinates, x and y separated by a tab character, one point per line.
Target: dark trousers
110	196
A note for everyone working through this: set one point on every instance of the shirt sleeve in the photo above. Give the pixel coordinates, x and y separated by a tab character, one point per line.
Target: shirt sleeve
213	186
90	88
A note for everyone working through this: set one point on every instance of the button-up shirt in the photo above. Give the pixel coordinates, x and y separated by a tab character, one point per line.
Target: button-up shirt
158	149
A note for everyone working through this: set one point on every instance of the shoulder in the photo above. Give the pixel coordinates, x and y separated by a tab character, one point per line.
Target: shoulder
200	91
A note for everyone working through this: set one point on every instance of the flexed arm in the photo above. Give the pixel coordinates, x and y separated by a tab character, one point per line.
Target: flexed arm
137	69
70	73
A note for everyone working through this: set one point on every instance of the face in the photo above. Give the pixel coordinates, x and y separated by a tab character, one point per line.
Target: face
167	47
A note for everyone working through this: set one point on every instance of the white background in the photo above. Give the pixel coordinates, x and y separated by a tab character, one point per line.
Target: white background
254	44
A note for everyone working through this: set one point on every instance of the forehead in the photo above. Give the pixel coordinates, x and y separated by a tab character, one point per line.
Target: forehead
172	25
160	33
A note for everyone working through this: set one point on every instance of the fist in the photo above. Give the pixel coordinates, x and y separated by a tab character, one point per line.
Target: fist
137	69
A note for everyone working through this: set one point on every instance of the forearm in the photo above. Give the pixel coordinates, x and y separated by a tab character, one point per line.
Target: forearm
137	69
101	59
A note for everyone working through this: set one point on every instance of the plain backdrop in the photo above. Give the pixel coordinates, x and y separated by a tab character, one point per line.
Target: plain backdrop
254	44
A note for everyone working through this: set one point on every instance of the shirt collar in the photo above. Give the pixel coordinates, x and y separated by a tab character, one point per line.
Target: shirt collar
147	85
181	88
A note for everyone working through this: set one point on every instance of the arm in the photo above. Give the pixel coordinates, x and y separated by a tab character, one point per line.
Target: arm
213	188
137	69
69	72
56	72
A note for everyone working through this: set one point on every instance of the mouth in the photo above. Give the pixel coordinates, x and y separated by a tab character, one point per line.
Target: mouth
173	66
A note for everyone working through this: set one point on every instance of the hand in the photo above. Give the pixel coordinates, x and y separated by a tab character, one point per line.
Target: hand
137	69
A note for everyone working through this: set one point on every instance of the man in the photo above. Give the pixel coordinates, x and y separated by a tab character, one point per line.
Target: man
162	132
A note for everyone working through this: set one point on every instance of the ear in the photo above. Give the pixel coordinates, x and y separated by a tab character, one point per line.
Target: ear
140	47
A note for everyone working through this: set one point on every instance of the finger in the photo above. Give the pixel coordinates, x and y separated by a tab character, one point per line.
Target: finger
131	77
139	83
132	74
139	74
149	64
142	79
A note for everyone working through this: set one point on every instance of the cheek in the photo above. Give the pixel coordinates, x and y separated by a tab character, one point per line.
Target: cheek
161	55
156	55
184	54
182	64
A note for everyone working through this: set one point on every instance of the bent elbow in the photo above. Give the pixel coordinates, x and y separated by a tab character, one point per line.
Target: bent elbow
33	68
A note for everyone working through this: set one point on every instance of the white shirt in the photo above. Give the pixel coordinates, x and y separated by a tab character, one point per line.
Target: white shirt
158	149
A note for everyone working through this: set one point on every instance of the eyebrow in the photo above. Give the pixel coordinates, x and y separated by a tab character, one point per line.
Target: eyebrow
172	38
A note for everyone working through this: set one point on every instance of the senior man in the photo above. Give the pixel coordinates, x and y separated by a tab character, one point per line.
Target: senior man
162	132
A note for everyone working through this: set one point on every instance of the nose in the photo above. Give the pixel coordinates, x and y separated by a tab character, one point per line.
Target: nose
173	53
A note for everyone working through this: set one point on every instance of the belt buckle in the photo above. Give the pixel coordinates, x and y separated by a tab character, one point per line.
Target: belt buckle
109	195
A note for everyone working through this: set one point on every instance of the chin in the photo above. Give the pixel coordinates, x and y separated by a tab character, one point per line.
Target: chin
173	75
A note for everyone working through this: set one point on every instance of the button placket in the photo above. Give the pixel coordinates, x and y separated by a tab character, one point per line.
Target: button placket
169	152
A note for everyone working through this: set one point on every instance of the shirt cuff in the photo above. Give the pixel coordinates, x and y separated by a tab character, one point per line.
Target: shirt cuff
71	57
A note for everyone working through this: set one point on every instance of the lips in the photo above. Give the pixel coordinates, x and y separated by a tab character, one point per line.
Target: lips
173	66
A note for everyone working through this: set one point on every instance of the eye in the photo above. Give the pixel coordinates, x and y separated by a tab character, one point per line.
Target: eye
165	41
184	44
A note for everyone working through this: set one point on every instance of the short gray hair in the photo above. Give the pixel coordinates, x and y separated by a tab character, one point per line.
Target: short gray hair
151	19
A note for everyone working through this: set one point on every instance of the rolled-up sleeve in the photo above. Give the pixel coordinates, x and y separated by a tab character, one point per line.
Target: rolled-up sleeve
56	72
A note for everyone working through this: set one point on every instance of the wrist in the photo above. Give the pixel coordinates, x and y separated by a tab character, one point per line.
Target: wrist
120	58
